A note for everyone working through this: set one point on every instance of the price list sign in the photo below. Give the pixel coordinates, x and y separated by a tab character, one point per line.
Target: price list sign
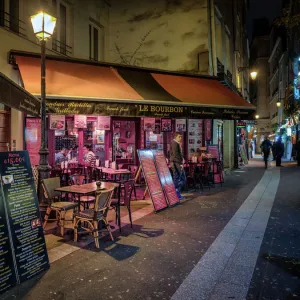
7	271
24	224
154	186
165	177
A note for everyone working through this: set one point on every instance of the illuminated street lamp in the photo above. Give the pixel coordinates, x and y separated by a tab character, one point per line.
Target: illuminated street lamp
253	75
256	116
278	103
43	27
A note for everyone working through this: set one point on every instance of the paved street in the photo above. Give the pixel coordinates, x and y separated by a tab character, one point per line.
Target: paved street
239	241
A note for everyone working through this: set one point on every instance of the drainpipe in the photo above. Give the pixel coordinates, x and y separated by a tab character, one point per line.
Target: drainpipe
210	43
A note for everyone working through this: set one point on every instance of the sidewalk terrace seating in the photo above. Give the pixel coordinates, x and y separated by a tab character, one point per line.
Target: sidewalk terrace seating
54	204
93	216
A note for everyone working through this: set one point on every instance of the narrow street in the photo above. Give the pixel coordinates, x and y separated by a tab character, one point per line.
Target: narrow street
239	241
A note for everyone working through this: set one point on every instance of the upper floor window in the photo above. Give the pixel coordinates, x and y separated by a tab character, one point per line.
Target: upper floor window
60	36
2	13
10	16
96	42
14	15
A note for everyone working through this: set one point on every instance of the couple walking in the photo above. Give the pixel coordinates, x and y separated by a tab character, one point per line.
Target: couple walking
277	148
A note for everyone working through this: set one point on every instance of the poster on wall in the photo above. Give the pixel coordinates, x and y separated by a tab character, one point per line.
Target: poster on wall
149	124
166	125
33	139
103	123
80	121
180	125
100	136
195	136
208	125
57	122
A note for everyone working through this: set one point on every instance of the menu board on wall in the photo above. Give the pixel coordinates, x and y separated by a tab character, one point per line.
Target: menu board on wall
19	199
195	135
33	139
153	183
165	177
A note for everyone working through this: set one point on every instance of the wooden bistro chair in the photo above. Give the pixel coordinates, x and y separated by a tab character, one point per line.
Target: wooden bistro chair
93	216
84	200
54	204
128	187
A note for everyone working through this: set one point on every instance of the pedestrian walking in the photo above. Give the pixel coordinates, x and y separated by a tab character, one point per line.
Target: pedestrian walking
251	150
279	150
298	152
265	146
176	160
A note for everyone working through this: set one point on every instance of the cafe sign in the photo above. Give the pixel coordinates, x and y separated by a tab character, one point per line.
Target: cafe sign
68	107
14	96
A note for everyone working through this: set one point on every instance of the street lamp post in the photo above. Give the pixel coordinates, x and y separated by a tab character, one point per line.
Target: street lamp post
43	26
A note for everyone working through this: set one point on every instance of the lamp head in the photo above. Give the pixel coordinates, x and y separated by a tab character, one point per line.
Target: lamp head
278	103
256	116
253	75
43	25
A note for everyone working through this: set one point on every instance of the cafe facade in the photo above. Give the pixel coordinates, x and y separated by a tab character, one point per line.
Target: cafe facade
119	109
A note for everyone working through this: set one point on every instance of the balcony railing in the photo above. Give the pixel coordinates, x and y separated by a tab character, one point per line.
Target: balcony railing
61	47
12	23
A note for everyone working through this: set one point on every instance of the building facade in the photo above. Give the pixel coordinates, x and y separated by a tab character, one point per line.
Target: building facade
206	37
80	32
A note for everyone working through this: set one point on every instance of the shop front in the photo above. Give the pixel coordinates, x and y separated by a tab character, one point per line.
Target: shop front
117	110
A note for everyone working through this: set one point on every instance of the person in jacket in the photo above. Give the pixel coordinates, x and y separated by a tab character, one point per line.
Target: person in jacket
279	150
265	146
176	162
297	148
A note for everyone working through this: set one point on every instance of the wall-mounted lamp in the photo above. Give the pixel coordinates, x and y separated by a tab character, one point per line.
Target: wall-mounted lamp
253	74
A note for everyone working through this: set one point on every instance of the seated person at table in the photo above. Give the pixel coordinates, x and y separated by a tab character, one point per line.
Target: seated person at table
61	156
89	156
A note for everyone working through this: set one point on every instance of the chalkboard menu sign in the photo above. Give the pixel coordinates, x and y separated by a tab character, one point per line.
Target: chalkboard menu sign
154	186
19	206
165	177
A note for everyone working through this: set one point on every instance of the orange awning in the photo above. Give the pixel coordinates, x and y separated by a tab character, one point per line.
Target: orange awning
200	91
74	80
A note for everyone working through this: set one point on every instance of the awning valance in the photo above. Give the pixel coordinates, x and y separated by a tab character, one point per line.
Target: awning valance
70	80
14	96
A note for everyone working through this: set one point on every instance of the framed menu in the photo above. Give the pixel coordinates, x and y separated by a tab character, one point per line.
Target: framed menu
154	185
23	223
180	125
214	151
165	177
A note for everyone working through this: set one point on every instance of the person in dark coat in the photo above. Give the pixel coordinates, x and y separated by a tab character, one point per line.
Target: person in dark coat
279	149
265	146
176	160
297	148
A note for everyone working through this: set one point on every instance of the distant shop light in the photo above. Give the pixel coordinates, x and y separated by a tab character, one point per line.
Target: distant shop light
256	116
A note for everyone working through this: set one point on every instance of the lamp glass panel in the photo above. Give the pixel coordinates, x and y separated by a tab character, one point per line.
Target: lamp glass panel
37	22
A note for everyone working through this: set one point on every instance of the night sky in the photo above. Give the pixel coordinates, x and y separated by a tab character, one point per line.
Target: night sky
263	8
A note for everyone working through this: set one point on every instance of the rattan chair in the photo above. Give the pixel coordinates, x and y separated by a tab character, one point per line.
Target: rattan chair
54	204
95	215
84	200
